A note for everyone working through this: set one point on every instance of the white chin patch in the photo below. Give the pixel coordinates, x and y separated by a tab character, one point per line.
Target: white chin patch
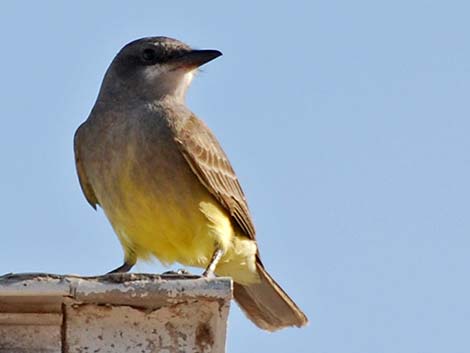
169	82
187	79
181	83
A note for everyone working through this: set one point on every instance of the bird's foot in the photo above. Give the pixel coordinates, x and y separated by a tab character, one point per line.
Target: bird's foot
208	274
180	272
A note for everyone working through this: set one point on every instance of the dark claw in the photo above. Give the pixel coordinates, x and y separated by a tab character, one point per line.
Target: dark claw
125	267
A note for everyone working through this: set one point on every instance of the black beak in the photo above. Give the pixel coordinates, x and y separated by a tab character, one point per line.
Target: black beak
194	59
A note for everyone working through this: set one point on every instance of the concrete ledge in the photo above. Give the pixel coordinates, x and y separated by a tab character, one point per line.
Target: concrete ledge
114	313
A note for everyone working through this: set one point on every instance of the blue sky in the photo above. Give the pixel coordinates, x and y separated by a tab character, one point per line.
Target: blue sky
347	123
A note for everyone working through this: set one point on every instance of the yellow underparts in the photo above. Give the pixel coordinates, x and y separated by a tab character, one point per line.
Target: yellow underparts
184	225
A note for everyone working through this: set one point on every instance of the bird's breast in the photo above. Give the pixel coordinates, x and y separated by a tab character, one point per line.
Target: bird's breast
152	197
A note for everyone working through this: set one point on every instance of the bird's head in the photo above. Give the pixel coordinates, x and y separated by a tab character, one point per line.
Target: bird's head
153	68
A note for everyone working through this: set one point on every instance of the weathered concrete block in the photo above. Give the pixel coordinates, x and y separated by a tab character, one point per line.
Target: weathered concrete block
135	313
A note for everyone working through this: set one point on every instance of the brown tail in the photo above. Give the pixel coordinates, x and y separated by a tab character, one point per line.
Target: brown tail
267	305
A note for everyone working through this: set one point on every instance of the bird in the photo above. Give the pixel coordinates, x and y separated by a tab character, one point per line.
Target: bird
164	182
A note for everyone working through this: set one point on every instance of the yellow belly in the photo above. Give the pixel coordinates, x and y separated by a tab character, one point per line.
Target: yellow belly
176	219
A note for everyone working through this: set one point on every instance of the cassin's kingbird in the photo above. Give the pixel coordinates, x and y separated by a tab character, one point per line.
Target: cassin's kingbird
165	183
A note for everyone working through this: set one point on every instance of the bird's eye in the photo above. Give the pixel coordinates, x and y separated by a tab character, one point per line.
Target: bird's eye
149	54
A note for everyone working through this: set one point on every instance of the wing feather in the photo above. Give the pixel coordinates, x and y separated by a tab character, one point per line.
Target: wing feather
209	162
82	178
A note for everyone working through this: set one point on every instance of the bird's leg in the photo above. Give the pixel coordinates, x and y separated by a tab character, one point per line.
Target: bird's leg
125	267
209	272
